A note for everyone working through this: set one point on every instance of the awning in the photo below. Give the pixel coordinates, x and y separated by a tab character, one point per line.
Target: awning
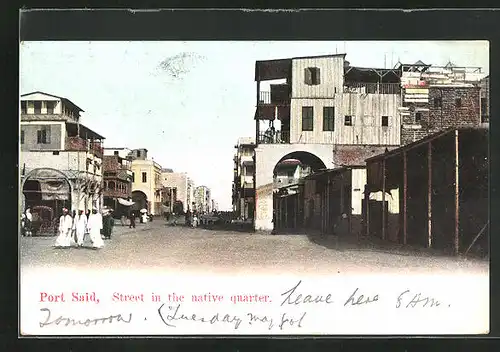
125	202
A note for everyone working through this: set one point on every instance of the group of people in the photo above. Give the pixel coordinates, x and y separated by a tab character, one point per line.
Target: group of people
73	228
26	222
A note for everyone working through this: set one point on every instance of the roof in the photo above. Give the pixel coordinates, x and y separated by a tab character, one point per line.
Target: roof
427	139
367	74
84	129
65	100
332	171
266	70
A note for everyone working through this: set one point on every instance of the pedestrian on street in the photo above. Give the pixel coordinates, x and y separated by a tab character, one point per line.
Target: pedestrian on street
107	225
95	227
132	220
28	221
87	214
65	225
80	225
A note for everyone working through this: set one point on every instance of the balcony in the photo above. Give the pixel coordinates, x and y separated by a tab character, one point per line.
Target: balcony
279	137
115	193
80	144
372	88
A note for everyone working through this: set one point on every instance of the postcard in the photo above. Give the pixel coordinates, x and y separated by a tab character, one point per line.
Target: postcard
253	188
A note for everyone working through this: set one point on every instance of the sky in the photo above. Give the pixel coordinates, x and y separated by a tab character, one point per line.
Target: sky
190	111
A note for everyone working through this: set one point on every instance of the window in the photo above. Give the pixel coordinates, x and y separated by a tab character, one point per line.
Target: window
312	76
115	152
21	137
55	152
307	118
328	118
458	102
348	120
138	153
385	121
43	135
418	116
144	177
438	103
24	109
50	106
38	107
133	176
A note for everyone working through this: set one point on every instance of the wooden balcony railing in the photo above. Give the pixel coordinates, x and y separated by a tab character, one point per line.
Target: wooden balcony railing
80	144
372	88
280	137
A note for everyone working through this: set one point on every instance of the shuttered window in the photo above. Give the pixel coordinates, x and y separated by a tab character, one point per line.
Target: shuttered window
312	76
307	118
328	118
43	135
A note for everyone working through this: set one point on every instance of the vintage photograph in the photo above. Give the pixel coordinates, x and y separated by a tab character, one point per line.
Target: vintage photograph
226	157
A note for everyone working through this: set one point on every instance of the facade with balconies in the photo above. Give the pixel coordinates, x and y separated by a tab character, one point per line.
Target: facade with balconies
53	139
313	107
243	183
117	178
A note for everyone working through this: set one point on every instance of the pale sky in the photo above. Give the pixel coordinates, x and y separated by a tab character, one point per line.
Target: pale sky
191	122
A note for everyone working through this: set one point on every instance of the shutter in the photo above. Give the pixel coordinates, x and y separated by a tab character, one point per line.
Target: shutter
307	76
39	136
47	134
317	74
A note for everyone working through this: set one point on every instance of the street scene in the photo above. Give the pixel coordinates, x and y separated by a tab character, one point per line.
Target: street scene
303	157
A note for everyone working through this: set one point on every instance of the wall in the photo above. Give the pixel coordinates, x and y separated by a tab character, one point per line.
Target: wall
65	161
178	180
266	158
438	119
30	136
123	153
331	77
366	111
138	167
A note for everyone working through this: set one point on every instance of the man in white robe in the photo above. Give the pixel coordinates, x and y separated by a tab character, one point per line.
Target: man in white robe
80	227
65	225
95	225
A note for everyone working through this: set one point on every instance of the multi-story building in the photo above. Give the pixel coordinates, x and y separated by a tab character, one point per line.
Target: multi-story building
179	184
243	185
202	199
60	158
323	112
117	178
147	189
190	194
436	98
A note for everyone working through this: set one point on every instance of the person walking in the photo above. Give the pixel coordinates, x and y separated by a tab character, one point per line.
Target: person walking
80	227
28	221
132	219
95	226
107	225
65	225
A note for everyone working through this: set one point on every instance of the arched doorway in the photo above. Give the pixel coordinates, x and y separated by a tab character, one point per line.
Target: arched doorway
140	200
45	191
291	210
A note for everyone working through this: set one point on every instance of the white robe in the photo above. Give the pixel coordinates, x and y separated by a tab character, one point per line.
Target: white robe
65	225
95	225
80	227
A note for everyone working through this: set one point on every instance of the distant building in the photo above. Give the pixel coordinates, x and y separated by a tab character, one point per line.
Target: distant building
146	182
485	100
179	184
202	200
60	158
243	182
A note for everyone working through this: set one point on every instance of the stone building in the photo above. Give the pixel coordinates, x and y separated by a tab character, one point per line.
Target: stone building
180	185
202	199
60	158
146	182
437	98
